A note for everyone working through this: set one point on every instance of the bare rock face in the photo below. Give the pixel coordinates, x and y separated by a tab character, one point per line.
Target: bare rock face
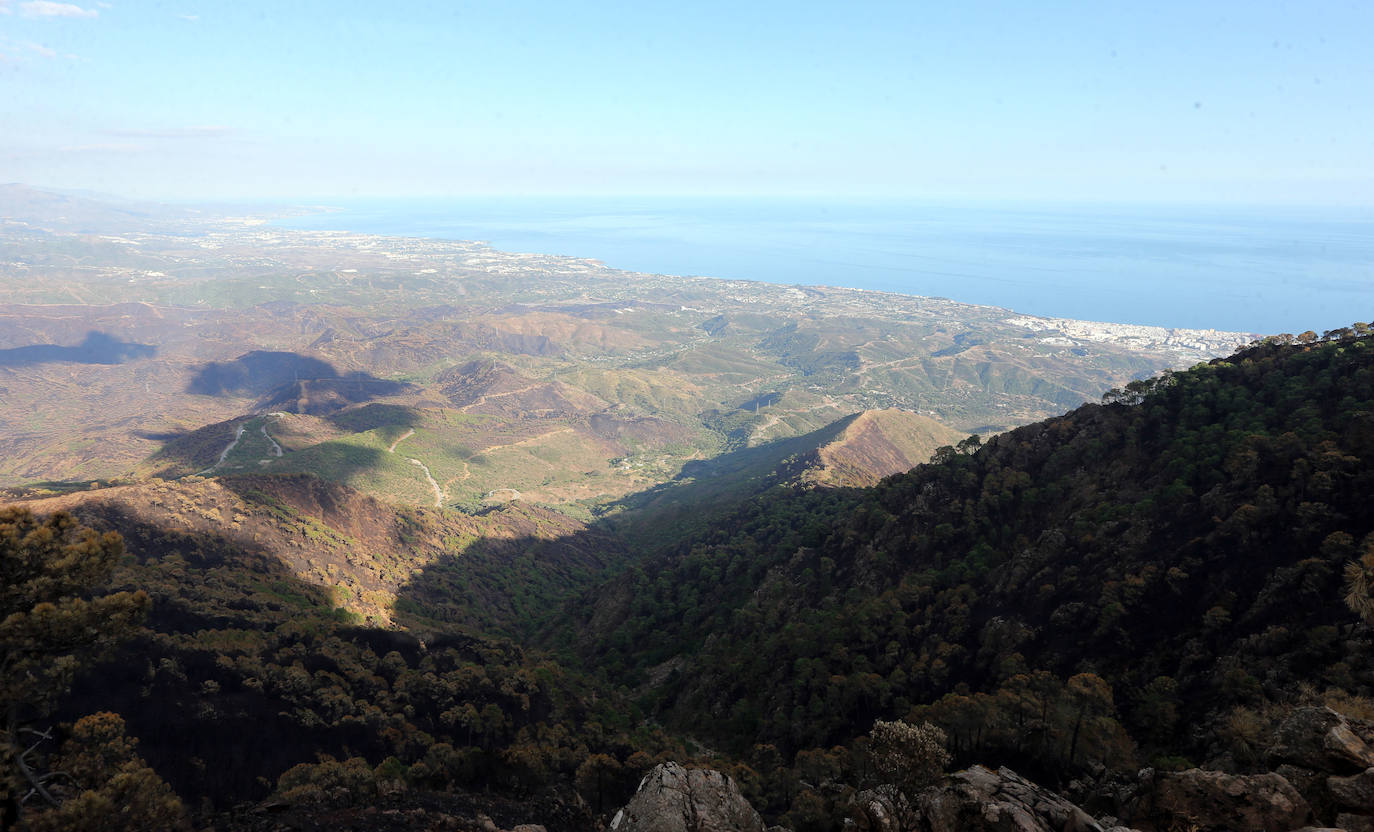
1319	738
981	800
674	799
1214	801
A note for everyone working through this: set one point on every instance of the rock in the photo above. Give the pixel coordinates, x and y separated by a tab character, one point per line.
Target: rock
1353	792
1320	738
674	799
1212	801
1311	784
528	827
1305	780
980	800
881	809
1355	823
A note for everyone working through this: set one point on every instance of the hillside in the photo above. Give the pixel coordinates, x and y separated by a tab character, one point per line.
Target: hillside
1185	544
850	452
357	550
321	494
876	444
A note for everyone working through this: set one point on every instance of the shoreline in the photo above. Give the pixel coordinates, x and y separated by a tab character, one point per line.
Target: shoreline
1088	268
1208	341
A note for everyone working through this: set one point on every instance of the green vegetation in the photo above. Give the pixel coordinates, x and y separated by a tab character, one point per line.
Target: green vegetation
48	631
1102	588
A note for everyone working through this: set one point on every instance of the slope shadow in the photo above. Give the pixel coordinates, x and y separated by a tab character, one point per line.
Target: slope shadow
703	488
246	670
203	583
96	348
587	598
508	586
513	586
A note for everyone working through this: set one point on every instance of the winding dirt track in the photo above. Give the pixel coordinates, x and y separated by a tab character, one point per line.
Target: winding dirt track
438	492
276	449
224	454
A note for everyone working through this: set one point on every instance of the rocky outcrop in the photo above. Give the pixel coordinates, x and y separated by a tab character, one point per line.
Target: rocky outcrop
974	800
1214	801
1322	739
980	799
1330	759
880	809
674	799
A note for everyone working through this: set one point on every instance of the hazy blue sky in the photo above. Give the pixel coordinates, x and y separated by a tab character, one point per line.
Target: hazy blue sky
1198	101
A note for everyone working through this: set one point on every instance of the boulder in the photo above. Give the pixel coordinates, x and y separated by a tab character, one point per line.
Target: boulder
1354	792
880	809
1319	738
981	800
674	799
1213	801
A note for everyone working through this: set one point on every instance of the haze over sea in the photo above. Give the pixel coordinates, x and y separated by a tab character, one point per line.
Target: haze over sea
1234	268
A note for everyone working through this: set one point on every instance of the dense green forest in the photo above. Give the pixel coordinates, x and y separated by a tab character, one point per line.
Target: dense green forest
1148	580
1154	580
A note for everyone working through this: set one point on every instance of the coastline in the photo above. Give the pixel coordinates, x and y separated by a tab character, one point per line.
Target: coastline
1230	272
1185	342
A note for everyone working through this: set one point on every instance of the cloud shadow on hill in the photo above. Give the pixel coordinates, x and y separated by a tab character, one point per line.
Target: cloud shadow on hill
290	381
96	348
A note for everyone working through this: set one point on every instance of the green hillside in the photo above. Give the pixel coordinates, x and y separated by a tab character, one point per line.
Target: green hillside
1184	543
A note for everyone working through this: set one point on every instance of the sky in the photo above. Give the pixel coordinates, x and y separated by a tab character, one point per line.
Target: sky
1224	102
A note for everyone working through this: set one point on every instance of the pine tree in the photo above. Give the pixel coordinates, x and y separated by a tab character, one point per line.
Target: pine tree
49	626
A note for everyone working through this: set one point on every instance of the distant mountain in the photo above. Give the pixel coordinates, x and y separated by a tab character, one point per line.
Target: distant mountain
92	214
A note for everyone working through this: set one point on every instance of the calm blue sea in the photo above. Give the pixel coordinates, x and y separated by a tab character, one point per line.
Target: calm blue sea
1242	269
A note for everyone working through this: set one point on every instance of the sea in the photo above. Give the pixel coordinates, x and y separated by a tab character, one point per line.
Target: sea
1245	269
